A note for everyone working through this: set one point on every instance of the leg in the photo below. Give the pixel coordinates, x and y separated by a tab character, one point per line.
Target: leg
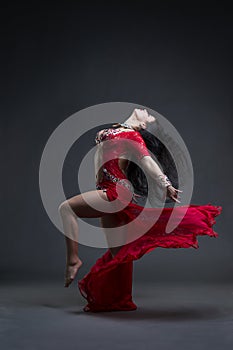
69	211
112	220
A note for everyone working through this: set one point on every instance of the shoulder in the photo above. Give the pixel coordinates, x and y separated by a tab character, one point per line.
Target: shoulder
106	134
131	133
100	135
135	135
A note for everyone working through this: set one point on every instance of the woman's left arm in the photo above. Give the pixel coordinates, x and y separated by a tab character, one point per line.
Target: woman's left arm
148	164
151	167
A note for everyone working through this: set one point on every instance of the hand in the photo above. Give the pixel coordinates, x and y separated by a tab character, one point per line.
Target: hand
173	193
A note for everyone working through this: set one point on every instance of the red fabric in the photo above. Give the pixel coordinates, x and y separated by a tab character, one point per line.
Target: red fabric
108	285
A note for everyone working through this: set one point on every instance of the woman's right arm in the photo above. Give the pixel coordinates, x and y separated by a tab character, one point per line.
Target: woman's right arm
98	163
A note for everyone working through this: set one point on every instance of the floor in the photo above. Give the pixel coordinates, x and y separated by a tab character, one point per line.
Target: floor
46	315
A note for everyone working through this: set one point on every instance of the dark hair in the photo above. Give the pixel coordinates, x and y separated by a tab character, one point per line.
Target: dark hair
163	158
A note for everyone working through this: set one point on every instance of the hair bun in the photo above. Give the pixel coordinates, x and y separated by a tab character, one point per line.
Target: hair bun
116	125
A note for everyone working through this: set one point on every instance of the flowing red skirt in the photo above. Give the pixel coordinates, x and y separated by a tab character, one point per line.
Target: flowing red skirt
108	285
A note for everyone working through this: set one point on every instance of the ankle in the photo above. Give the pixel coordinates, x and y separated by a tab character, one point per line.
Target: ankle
72	260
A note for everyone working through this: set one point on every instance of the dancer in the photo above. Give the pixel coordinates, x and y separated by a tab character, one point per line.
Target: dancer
120	183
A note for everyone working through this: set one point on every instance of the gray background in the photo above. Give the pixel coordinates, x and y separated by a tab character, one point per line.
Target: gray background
56	61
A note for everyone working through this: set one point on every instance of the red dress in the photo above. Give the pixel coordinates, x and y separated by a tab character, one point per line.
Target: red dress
108	285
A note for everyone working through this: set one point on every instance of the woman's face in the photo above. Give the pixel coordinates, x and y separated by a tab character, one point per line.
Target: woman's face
143	117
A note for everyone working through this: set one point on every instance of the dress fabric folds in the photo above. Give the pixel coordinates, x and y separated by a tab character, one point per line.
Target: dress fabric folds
108	285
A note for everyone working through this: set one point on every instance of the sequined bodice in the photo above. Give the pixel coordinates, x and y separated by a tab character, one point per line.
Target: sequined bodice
115	149
106	133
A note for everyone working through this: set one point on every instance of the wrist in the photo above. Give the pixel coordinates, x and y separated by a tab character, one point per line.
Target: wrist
164	181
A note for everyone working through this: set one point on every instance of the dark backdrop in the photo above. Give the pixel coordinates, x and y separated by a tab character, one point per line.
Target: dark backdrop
57	60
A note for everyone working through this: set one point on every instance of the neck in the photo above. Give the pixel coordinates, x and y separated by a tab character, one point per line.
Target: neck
126	125
133	121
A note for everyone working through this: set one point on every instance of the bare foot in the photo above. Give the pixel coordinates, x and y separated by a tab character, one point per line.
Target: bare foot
71	271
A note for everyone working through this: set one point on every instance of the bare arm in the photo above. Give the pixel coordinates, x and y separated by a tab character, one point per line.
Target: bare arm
97	163
151	167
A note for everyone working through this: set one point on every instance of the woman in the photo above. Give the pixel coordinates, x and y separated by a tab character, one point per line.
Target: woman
108	285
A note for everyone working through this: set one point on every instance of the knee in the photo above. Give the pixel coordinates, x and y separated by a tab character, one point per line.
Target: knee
63	207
